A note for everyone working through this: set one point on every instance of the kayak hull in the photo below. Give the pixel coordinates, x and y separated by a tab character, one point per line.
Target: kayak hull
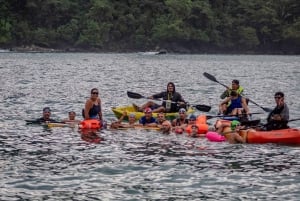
284	136
118	111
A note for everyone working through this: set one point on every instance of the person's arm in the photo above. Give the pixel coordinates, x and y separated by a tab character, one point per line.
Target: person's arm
100	113
285	114
225	94
245	106
156	96
88	106
122	117
181	101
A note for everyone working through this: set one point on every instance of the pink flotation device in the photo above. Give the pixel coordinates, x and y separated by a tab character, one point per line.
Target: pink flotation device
215	137
90	124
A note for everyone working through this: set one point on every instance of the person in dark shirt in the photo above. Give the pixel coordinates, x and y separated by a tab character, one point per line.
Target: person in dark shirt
172	101
279	117
46	117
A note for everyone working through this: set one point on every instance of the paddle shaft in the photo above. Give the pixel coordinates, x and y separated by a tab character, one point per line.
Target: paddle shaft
204	108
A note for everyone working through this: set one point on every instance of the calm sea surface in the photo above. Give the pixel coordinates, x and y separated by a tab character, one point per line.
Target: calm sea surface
37	163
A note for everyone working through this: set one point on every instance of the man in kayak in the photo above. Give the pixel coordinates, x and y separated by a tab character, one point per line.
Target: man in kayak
279	117
172	101
235	86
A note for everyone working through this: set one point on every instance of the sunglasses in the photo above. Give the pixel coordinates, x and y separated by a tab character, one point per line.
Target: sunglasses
95	93
277	97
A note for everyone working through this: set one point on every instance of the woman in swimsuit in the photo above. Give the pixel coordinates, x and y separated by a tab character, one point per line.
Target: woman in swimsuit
92	109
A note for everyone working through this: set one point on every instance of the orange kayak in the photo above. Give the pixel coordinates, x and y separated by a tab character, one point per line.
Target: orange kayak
284	136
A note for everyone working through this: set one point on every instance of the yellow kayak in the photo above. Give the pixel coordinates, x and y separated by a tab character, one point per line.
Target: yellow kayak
118	111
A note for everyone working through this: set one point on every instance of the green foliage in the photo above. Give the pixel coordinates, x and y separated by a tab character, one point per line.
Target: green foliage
234	25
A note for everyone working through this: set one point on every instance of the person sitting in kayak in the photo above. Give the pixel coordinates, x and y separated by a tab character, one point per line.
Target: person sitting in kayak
172	101
237	105
279	117
46	117
235	86
148	119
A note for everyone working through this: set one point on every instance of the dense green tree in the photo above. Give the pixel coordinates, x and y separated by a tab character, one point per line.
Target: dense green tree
135	25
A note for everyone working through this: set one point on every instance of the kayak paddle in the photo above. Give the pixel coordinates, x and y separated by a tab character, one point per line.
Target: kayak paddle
203	108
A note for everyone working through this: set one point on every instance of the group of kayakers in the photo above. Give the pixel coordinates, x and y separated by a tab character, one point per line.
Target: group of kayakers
234	104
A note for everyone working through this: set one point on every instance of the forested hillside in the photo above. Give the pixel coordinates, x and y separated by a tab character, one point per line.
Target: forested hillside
186	26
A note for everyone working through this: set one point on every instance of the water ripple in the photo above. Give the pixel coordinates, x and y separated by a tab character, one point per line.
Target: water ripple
38	163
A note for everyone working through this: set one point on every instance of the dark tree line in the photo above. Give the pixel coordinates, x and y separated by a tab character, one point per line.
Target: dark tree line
195	26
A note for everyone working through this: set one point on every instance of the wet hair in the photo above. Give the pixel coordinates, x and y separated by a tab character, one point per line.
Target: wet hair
94	89
236	82
233	93
72	112
171	83
279	93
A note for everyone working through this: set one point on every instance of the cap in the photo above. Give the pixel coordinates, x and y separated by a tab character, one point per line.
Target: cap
182	110
193	117
235	81
131	115
279	93
46	109
148	110
234	124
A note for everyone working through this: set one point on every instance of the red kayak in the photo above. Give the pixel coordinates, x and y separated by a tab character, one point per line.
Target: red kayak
284	136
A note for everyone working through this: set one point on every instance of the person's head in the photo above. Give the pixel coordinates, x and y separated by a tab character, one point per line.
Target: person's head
235	84
233	94
182	113
46	112
94	93
171	87
131	118
166	127
194	128
161	117
234	124
72	115
279	97
192	119
148	112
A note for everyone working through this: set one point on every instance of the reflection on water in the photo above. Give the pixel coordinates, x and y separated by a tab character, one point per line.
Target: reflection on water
38	163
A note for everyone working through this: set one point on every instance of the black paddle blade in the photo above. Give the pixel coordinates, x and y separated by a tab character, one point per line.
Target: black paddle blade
134	95
203	108
210	77
267	109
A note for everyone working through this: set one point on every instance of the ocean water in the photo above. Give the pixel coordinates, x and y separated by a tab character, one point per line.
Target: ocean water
39	163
